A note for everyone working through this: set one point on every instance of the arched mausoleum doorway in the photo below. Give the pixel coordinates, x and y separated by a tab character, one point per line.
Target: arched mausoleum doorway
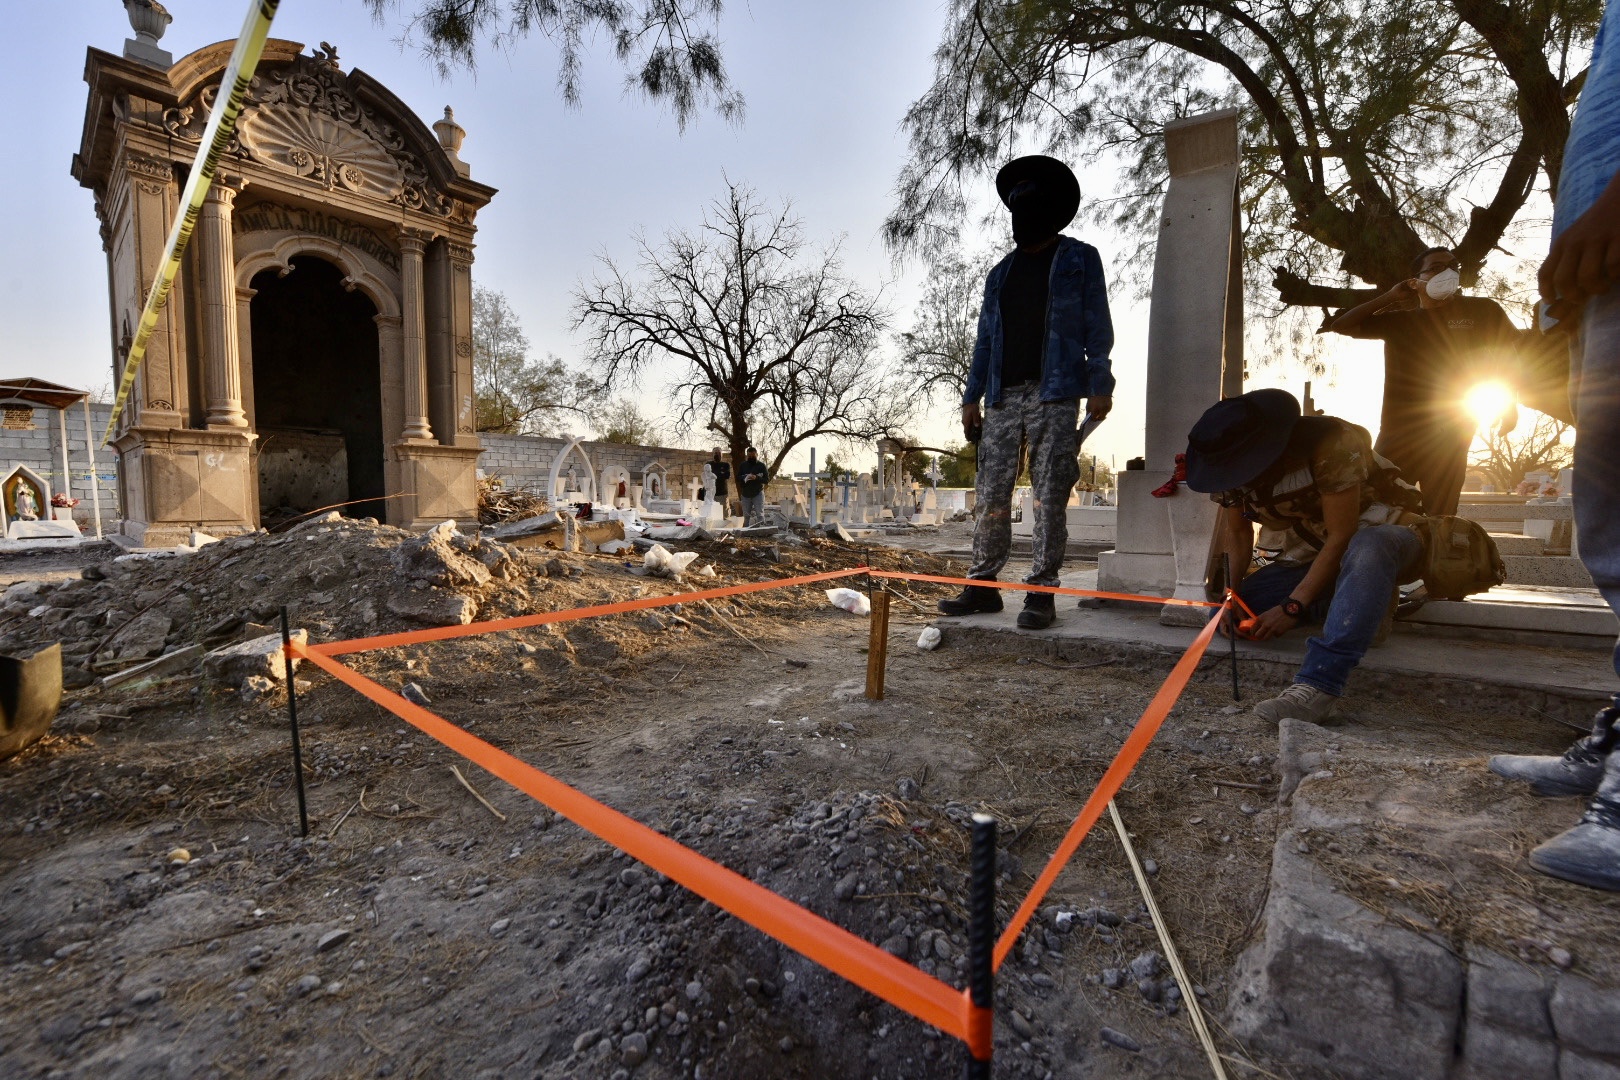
348	378
317	392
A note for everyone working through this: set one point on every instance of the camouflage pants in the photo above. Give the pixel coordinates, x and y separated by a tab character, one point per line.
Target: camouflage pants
1048	429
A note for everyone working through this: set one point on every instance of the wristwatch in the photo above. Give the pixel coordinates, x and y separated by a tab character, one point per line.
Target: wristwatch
1293	608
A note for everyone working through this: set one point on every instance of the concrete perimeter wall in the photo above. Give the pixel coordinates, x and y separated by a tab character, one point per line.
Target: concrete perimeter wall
525	460
519	460
40	448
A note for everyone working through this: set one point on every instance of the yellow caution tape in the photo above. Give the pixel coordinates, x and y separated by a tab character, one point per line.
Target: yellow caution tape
216	137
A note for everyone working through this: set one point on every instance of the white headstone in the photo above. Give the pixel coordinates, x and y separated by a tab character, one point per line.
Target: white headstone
1195	340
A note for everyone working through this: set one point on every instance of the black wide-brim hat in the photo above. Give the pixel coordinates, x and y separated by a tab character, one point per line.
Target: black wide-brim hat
1239	438
1056	188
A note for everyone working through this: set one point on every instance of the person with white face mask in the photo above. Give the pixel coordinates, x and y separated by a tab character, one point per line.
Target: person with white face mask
1435	350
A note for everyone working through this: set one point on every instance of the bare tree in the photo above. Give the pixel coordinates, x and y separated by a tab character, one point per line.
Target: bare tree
938	349
517	395
769	343
669	48
1542	446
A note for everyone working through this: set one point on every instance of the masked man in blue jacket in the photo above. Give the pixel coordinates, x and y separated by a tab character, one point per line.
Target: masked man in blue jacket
1044	339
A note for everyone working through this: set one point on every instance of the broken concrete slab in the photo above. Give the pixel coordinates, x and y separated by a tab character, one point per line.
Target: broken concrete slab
1419	1008
1509	1032
169	663
570	534
257	656
141	637
530	526
1333	985
435	607
1586	1018
434	558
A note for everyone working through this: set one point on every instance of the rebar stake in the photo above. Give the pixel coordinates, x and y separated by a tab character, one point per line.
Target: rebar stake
982	933
292	720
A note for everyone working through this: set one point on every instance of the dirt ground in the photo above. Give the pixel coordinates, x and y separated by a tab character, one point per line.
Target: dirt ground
418	933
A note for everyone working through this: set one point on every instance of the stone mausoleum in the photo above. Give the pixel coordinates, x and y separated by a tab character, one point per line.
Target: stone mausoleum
317	348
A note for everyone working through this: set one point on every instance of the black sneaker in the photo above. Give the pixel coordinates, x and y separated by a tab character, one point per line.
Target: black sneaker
1040	608
974	599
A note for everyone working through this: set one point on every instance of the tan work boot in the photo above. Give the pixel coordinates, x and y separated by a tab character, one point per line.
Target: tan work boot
1299	702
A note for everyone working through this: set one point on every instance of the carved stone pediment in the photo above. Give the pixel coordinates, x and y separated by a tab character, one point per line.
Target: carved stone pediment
302	120
304	143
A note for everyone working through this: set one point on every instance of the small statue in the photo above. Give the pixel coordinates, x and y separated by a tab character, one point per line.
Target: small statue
24	502
710	511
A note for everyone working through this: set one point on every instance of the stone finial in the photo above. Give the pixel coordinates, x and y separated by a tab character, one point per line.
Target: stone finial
149	19
451	135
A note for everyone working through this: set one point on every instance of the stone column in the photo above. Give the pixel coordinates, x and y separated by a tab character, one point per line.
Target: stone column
412	242
244	350
222	372
1194	358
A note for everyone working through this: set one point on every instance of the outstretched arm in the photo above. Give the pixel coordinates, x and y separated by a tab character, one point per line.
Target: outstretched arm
1348	322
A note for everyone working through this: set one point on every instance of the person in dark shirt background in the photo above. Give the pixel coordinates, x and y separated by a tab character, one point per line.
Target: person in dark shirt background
752	477
1433	354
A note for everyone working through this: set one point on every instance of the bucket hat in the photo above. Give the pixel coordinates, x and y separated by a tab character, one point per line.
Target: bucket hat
1054	187
1239	438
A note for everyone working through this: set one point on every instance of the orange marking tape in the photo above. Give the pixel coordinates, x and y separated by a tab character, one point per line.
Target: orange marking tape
834	948
981	1035
1112	780
1232	593
517	622
1056	589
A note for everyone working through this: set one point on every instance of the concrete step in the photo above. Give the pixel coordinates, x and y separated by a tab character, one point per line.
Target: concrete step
1519	544
1536	615
1558	511
1559	571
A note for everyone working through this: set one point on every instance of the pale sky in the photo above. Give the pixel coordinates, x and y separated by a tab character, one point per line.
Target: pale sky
826	86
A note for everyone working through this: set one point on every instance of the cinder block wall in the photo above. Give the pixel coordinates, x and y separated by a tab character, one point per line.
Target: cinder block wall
525	460
40	448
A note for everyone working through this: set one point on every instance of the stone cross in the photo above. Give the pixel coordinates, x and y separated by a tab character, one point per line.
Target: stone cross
814	476
846	482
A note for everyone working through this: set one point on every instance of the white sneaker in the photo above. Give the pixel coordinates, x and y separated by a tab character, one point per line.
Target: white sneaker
1299	702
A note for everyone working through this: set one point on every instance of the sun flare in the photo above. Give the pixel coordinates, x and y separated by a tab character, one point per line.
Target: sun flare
1488	402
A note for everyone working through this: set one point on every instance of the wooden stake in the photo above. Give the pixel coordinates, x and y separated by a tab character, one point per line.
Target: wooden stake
877	653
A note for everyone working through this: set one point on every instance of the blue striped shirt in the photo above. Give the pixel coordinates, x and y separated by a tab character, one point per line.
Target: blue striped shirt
1592	154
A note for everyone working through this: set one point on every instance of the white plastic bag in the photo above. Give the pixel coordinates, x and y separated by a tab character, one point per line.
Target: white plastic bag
851	601
929	639
662	562
657	560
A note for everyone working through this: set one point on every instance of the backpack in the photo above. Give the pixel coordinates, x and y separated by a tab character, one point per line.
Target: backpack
1459	557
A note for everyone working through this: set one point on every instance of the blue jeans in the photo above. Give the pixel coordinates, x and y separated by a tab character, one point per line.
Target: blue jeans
753	508
1595	393
1379	558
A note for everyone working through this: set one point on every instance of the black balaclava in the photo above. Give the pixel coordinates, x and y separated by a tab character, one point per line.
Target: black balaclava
1031	215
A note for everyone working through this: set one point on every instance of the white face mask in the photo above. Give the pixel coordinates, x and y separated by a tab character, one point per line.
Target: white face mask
1444	285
